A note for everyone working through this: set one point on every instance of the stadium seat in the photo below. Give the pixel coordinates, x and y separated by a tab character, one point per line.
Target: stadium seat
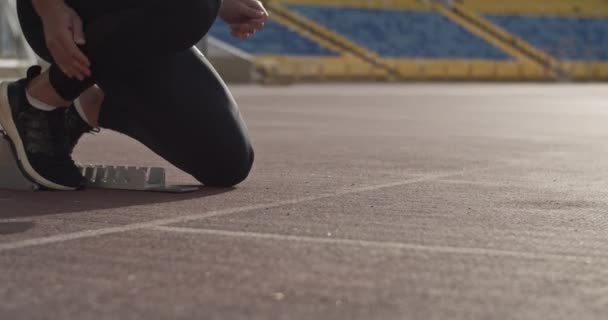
567	38
402	33
357	69
435	70
602	71
457	69
408	68
482	70
508	70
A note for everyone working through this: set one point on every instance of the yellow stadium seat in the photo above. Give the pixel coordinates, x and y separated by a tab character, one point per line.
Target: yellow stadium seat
577	70
529	71
285	70
601	71
395	4
358	69
508	70
383	74
409	69
435	70
604	72
457	69
543	7
581	71
332	69
481	69
312	70
594	70
598	70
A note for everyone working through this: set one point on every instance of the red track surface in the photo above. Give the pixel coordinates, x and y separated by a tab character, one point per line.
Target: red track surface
366	202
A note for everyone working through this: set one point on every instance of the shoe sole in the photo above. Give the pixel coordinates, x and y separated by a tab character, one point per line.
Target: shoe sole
8	124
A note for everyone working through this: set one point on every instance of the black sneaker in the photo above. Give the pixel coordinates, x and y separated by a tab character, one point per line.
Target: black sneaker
39	138
76	127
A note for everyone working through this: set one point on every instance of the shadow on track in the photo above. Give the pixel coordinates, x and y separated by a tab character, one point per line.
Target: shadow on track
7	228
17	204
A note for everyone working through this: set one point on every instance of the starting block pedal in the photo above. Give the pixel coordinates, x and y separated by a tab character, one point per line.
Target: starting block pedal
97	176
10	173
130	178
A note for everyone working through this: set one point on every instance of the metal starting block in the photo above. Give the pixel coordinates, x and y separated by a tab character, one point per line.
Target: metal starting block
130	178
10	173
97	176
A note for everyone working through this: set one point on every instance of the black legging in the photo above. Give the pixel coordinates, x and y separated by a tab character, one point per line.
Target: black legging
159	90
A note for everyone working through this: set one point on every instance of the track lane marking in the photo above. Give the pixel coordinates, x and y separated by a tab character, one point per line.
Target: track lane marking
222	212
391	245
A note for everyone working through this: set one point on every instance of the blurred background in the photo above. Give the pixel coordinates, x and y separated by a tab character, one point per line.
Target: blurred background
15	55
399	40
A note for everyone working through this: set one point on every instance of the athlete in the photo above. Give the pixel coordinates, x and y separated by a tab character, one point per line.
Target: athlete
129	66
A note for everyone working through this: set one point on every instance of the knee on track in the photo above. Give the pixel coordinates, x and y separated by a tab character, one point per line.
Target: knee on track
229	172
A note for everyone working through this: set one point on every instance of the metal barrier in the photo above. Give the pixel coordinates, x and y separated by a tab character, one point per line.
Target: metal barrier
15	54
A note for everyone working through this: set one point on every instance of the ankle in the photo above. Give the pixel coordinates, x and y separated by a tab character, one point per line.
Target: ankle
83	115
44	96
40	105
88	105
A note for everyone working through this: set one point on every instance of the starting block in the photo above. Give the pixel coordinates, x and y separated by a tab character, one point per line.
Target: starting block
97	176
10	173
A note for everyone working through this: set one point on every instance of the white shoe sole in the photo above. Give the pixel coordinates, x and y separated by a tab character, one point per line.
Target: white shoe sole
7	123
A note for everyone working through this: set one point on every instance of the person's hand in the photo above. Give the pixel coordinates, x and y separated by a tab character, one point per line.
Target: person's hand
244	30
245	17
63	33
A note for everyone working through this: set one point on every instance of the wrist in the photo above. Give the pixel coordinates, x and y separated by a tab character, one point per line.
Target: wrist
45	8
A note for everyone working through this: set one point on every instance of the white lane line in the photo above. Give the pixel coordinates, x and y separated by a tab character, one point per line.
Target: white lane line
159	222
384	245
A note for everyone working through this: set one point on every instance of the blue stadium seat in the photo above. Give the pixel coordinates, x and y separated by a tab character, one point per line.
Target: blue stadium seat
273	39
402	33
572	38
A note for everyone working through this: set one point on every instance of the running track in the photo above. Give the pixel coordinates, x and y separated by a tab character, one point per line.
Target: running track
419	201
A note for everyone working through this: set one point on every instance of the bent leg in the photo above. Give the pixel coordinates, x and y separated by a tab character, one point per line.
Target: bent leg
157	91
181	109
117	31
